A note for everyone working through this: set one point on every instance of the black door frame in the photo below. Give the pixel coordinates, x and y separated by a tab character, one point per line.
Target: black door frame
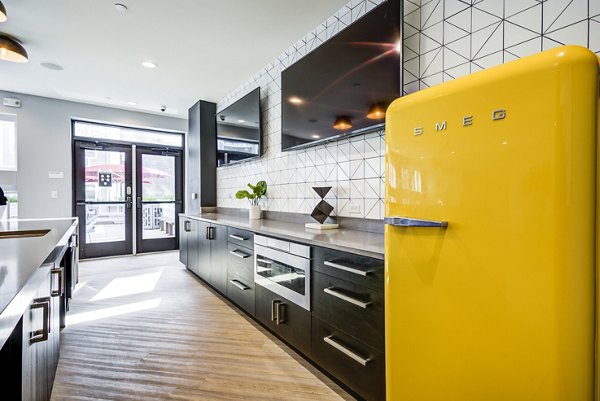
180	183
80	204
158	244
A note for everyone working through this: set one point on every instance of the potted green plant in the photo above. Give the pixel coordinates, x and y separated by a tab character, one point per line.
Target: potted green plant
258	191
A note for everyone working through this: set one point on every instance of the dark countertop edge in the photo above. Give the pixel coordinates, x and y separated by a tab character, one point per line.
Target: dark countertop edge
356	251
11	314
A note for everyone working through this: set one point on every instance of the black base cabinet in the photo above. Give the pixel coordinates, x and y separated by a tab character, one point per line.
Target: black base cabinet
286	319
344	334
356	364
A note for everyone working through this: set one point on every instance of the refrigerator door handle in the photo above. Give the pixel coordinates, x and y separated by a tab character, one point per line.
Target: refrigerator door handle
399	221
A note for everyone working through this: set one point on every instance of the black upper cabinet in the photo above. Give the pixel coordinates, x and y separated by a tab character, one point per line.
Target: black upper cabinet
202	159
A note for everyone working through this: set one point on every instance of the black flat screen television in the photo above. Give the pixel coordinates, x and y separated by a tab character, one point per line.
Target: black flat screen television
344	86
239	130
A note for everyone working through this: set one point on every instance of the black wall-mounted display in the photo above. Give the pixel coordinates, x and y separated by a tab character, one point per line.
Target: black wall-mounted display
344	86
239	130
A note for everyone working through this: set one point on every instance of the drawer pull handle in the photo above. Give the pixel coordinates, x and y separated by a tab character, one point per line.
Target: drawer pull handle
331	291
187	226
237	237
239	285
59	291
348	268
41	335
239	254
363	361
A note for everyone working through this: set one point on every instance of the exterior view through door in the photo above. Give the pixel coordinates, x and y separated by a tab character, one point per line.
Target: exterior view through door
128	189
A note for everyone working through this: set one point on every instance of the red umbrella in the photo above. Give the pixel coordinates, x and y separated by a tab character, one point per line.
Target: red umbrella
118	174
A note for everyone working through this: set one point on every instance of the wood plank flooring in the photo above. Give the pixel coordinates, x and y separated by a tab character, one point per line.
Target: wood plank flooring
144	328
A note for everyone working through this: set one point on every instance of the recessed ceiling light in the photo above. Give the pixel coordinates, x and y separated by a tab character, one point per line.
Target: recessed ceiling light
316	136
149	64
2	12
120	7
296	100
52	66
132	103
399	47
241	121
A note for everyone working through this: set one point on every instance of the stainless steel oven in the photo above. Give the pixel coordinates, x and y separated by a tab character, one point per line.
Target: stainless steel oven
284	268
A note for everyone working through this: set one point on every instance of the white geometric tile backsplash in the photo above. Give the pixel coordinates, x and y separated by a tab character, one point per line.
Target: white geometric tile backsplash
443	39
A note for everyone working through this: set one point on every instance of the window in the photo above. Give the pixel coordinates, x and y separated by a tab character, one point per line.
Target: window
8	142
132	135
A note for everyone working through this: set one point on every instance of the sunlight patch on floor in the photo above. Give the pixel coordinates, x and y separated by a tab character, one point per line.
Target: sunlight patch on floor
130	285
112	311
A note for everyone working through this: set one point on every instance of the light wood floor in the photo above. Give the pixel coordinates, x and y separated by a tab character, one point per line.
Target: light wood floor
172	340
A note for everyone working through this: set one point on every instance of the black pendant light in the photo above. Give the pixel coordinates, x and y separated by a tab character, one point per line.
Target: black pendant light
2	12
11	50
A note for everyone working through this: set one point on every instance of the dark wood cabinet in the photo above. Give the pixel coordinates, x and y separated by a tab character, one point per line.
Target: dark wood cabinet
40	341
286	319
203	249
355	363
354	309
185	227
240	273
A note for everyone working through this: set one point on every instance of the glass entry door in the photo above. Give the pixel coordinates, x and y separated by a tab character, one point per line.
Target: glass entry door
159	194
103	198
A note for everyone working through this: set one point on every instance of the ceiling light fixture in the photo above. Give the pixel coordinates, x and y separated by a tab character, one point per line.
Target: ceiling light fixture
3	15
376	112
241	121
11	50
295	100
342	123
132	103
149	64
120	7
316	136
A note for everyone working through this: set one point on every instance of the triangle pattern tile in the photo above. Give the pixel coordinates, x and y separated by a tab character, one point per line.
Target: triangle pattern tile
432	62
453	32
491	60
481	19
432	13
462	19
452	7
515	35
435	32
571	12
529	18
487	40
459	71
461	46
452	59
410	7
493	7
357	169
434	79
572	34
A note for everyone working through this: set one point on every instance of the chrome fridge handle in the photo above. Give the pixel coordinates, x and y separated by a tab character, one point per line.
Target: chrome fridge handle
399	221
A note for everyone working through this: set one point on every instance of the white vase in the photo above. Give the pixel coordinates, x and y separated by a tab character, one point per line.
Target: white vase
254	212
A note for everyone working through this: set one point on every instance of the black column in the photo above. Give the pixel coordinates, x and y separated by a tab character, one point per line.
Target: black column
202	157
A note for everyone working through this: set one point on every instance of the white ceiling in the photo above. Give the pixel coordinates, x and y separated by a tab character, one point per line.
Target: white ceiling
204	48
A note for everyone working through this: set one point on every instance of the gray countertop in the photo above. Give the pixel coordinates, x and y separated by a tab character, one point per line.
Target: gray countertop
353	241
21	258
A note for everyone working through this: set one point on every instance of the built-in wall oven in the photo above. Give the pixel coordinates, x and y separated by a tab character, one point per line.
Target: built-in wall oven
284	268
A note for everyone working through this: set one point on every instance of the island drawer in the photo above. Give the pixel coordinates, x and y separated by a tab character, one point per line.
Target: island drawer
240	290
240	260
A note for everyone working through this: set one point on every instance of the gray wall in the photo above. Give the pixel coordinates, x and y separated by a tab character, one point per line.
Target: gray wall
44	144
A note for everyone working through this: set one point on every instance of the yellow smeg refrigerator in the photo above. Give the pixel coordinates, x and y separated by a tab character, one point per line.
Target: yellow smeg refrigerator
491	234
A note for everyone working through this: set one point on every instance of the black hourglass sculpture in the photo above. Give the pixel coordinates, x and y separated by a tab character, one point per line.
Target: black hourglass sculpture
322	211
